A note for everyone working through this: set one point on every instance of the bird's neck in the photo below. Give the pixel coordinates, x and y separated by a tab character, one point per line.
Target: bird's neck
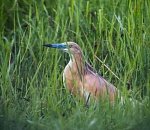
77	62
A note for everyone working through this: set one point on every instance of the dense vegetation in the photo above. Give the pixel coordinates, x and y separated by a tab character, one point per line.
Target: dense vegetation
32	95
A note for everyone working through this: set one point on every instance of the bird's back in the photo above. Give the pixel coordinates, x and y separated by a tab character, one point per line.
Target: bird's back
98	86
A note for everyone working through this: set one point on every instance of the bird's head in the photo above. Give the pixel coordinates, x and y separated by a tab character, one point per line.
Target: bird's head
69	47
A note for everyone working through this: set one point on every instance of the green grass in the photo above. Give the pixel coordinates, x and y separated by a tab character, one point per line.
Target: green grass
32	95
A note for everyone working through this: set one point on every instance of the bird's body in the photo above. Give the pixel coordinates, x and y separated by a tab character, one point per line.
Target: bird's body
80	78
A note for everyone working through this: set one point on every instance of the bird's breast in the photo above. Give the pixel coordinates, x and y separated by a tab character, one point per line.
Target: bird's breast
71	78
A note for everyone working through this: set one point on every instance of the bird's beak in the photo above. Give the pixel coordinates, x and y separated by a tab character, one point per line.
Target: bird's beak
57	45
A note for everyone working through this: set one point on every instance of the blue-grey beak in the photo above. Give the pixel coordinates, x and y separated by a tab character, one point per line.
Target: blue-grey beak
57	45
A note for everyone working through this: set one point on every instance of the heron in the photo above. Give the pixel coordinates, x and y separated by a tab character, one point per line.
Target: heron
80	78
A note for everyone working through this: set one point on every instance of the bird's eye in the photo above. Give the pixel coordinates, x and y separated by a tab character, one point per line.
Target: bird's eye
70	46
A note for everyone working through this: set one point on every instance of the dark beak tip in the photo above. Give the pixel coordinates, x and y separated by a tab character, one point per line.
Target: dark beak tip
47	45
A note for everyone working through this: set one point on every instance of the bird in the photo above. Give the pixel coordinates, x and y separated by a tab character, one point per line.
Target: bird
80	78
